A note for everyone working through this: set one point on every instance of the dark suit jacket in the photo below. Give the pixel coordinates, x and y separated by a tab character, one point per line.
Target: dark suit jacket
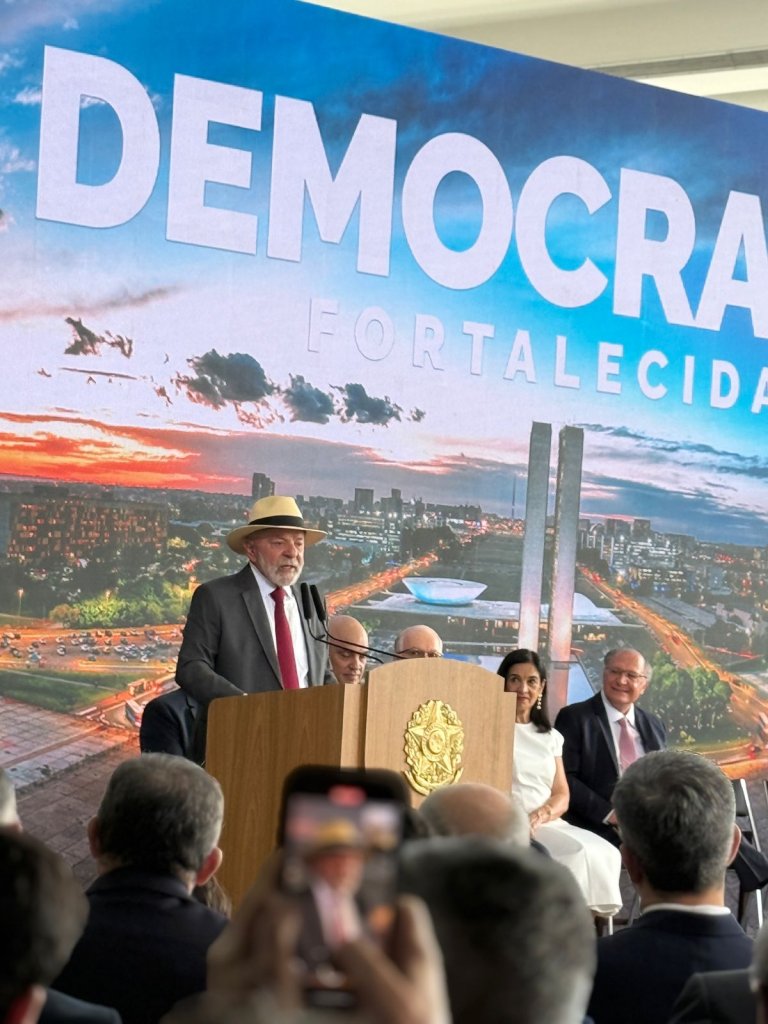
168	724
143	947
589	758
61	1009
641	970
719	997
228	649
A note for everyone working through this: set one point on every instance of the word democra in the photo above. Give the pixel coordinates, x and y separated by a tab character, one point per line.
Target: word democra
365	183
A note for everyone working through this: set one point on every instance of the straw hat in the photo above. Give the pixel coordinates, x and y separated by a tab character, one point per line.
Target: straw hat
272	513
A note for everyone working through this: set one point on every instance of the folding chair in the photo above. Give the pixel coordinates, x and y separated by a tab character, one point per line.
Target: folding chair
745	819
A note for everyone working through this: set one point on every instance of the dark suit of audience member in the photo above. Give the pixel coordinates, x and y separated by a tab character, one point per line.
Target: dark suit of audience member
168	724
717	997
144	946
61	1009
154	838
642	969
675	811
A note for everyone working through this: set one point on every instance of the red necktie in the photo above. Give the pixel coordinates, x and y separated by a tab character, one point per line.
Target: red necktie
284	642
627	749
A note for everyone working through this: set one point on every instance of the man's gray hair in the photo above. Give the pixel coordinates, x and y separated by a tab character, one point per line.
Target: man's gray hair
676	813
160	813
9	814
517	939
610	655
472	808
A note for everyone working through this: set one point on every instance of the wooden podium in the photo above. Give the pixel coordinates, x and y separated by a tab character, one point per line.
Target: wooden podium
255	741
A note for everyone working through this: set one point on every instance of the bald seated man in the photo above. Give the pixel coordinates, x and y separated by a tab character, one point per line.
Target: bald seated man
348	660
418	642
474	809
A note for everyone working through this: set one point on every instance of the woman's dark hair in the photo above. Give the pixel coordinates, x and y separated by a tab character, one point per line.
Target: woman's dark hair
522	656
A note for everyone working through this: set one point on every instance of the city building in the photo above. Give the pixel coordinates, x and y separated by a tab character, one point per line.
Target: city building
261	486
49	525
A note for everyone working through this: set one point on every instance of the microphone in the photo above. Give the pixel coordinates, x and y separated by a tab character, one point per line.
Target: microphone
306	606
319	604
311	601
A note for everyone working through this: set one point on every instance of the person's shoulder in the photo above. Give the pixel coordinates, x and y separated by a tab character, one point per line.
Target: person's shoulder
235	579
244	572
206	918
614	948
576	710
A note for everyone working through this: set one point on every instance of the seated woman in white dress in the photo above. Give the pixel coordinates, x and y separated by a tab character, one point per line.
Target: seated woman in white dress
538	779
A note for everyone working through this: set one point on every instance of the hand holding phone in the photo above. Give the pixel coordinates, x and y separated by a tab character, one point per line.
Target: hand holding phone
409	988
341	830
252	965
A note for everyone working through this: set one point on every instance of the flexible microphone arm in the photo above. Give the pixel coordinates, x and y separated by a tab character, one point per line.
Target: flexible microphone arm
311	601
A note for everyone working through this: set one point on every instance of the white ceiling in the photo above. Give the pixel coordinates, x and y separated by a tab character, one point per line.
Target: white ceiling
715	48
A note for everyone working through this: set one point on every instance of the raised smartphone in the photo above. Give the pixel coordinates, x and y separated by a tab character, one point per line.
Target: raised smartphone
340	830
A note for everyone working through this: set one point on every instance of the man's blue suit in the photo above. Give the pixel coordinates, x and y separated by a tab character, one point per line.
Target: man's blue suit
641	970
589	758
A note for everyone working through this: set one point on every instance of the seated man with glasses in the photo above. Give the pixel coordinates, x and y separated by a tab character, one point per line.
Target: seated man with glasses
418	642
603	736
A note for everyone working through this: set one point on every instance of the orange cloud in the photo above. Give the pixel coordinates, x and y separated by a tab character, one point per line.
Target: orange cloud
66	448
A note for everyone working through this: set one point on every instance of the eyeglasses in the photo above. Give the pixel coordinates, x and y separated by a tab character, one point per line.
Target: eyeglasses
416	652
617	673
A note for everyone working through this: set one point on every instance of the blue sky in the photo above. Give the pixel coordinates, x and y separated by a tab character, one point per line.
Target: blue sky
445	429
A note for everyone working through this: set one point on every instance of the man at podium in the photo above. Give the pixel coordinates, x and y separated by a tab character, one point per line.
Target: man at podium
245	633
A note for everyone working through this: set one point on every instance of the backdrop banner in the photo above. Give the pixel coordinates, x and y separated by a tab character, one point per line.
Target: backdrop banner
499	324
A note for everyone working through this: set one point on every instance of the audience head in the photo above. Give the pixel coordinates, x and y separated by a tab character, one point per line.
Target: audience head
347	655
626	675
42	913
517	939
162	814
9	815
524	674
758	975
418	642
472	808
675	812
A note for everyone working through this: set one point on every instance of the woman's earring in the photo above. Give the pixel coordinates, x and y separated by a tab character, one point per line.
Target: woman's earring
538	703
